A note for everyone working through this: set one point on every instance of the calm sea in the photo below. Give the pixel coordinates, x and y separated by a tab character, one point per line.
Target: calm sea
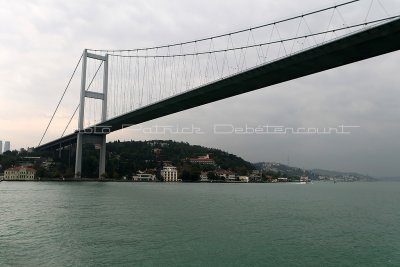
158	224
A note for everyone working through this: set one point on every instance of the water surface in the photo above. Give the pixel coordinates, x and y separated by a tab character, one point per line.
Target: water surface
178	224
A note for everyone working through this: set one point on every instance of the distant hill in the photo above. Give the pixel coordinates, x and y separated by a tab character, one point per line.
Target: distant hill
357	176
314	174
128	157
284	170
389	179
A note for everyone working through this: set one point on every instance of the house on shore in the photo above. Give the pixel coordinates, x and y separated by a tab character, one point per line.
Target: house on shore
21	173
169	174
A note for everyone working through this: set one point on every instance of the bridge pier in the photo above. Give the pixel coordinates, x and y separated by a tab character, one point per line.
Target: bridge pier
100	141
78	156
92	136
102	158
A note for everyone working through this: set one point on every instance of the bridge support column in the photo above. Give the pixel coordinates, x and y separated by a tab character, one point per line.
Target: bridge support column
78	156
79	141
81	131
102	159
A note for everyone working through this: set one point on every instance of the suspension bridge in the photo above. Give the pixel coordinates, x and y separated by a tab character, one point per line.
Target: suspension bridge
121	88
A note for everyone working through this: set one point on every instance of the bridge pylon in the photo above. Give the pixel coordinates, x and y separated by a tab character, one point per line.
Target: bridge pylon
91	136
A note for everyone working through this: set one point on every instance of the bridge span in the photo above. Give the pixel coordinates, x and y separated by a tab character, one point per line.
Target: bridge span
373	42
373	39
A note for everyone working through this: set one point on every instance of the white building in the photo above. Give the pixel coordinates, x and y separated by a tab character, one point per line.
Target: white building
22	173
244	179
204	177
170	174
231	177
1	147
304	179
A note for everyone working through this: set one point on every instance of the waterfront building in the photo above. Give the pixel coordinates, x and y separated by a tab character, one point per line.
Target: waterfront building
21	173
204	177
304	179
244	179
255	176
7	146
170	174
224	174
231	178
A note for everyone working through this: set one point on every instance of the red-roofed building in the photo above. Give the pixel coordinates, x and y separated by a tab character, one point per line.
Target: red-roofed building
21	173
202	160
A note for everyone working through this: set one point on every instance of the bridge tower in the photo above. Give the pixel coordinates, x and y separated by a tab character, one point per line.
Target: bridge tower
89	137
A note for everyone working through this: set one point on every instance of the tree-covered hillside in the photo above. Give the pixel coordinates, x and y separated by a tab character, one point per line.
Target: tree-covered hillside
126	158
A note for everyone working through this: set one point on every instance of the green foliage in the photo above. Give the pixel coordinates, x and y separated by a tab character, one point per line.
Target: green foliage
212	176
127	158
190	173
8	159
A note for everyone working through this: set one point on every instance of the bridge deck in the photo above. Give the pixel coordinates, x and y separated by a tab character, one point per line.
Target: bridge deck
358	46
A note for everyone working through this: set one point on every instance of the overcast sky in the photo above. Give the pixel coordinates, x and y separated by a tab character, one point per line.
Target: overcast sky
41	41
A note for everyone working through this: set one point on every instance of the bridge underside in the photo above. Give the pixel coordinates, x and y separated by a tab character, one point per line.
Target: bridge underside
373	42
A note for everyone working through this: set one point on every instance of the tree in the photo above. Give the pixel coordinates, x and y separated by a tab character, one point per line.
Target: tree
190	173
212	176
185	176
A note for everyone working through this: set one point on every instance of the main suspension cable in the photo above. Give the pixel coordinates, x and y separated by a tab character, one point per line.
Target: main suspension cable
62	97
76	109
256	45
227	34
